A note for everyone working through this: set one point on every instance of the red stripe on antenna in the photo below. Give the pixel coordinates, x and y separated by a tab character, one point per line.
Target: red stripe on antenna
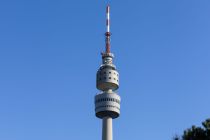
107	22
107	9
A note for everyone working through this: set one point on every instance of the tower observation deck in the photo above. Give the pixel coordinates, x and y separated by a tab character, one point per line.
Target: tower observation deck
107	102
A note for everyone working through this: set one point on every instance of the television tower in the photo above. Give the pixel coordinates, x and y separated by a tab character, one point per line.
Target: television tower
107	103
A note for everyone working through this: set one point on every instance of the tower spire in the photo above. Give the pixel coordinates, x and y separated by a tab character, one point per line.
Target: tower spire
107	34
108	18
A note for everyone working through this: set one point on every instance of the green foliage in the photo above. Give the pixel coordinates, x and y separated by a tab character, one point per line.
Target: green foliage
196	133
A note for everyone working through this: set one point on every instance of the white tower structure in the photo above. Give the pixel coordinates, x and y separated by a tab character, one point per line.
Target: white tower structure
107	102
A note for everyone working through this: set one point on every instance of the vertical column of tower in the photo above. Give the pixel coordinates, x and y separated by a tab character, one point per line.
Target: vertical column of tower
107	128
107	102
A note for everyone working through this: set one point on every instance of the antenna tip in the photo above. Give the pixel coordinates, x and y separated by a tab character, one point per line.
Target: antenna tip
108	8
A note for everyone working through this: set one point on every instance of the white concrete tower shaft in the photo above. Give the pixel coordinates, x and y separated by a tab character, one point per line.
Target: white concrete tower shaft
107	102
107	128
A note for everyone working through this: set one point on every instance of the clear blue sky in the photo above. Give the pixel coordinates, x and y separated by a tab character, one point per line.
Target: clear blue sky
50	52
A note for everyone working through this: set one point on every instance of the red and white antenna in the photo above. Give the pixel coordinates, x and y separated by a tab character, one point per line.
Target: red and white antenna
108	18
108	34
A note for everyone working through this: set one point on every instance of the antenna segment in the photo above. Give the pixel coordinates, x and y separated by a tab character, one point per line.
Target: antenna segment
108	18
107	34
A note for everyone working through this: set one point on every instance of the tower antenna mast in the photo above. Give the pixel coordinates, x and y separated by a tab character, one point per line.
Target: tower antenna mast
108	33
